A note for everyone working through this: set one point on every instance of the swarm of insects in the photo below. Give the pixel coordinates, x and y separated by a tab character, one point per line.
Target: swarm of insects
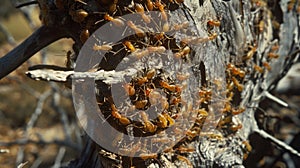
164	96
155	98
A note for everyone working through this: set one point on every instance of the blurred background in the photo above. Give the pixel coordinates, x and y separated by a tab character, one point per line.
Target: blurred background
37	120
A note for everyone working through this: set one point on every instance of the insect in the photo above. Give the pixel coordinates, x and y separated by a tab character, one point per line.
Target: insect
239	86
154	96
181	54
148	125
148	90
267	66
150	74
167	86
161	8
141	80
205	95
158	49
258	68
212	135
131	150
230	95
275	47
140	9
202	112
177	131
182	149
78	15
139	32
213	36
227	107
118	138
184	159
166	27
236	71
182	76
140	104
238	111
129	89
149	5
198	40
273	55
116	21
191	134
146	156
122	119
164	103
162	121
215	23
159	36
140	53
248	149
178	88
250	53
276	24
129	46
84	35
259	3
104	47
171	121
291	5
235	128
230	86
184	25
159	140
261	26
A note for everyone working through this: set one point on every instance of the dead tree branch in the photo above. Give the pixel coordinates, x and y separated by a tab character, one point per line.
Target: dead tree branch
37	41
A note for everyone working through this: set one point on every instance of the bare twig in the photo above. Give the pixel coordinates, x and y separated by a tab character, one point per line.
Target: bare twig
26	4
20	155
41	142
63	115
275	99
37	162
10	39
59	157
22	165
25	86
279	143
37	111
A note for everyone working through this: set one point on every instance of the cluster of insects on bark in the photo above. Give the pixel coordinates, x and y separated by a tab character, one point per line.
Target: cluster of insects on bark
154	88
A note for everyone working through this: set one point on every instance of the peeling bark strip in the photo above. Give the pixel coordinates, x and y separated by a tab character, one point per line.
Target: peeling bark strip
109	77
245	50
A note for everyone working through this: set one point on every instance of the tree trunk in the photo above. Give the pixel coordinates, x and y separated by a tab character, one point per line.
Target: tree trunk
242	50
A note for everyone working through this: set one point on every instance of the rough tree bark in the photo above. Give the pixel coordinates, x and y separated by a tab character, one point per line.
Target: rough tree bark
250	46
